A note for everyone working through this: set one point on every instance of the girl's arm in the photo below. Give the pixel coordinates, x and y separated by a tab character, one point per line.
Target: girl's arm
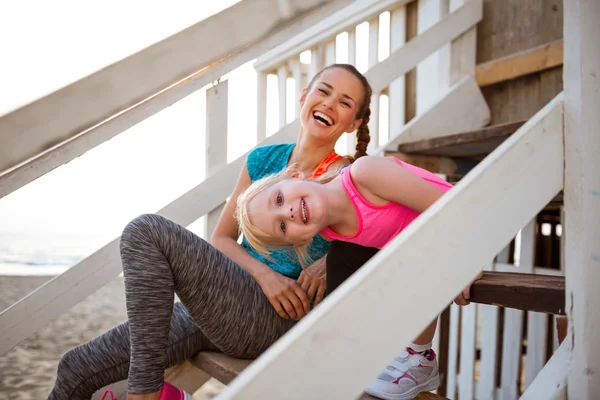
385	180
286	295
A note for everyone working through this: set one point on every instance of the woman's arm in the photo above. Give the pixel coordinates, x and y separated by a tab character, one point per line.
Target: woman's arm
384	179
286	295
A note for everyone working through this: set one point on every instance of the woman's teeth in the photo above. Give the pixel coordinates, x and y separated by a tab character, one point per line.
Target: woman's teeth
322	118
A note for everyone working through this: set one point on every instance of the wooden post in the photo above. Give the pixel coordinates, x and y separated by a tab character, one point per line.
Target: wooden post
581	77
216	141
374	59
282	74
397	91
261	106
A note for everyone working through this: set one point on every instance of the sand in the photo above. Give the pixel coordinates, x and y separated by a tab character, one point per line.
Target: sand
28	371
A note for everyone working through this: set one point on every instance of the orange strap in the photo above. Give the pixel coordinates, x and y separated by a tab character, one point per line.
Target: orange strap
322	168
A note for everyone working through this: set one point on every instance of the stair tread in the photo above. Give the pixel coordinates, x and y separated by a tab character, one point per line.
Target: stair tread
474	143
224	369
541	293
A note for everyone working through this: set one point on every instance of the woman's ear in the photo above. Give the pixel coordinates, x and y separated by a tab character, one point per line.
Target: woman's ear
302	97
296	174
354	125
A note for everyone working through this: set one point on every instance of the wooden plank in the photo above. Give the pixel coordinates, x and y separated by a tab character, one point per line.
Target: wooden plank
551	382
525	62
373	60
452	380
468	334
332	25
463	108
397	89
511	354
470	143
541	293
582	195
301	360
261	106
503	32
282	75
443	349
463	50
116	98
61	293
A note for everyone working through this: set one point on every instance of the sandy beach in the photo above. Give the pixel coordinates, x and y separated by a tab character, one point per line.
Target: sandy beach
28	371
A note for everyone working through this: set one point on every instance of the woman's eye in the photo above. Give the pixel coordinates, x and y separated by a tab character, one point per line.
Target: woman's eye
346	104
279	199
323	91
282	225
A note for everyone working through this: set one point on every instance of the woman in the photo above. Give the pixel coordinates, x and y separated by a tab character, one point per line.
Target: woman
232	299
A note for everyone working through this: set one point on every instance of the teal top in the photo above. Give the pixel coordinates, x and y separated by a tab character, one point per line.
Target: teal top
267	160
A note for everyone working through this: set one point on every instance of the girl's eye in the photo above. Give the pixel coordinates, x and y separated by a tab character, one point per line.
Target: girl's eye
279	199
282	225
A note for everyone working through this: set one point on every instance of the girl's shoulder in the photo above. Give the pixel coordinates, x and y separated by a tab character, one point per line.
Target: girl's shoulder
366	168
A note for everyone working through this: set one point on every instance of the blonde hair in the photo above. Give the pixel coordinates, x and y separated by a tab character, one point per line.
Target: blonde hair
261	241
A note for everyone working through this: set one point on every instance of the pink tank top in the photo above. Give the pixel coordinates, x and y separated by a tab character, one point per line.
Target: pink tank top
377	225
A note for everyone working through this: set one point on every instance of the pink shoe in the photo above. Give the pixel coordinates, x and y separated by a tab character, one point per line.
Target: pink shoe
170	392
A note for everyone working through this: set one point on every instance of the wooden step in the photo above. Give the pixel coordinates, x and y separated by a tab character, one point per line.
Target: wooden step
541	293
225	369
471	144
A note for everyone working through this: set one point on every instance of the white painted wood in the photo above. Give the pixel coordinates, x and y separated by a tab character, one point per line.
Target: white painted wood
463	50
116	98
57	117
261	106
467	352
216	142
463	108
429	82
316	61
286	8
352	46
397	89
452	380
550	384
511	353
375	103
282	75
299	365
330	52
421	46
61	293
582	194
334	23
296	68
537	328
489	337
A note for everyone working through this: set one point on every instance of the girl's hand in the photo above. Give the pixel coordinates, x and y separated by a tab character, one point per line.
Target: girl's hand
285	295
312	280
463	298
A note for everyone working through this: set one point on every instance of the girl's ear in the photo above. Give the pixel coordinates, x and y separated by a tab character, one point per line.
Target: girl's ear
296	174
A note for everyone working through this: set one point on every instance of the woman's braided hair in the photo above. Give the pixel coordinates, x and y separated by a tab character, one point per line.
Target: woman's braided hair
363	136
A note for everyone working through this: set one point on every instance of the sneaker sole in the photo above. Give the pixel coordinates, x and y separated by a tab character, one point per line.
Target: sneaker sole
431	384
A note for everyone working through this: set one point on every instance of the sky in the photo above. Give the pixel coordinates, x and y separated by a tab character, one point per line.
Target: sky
147	166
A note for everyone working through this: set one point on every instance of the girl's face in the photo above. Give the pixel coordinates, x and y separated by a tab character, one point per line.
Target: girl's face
291	212
330	106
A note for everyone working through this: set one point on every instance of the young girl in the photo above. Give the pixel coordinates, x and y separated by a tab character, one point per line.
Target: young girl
367	204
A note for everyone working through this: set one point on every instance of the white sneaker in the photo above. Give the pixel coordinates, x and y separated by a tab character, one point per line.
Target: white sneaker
406	376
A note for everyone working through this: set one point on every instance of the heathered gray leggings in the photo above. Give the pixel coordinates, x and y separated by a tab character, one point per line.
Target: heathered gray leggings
225	310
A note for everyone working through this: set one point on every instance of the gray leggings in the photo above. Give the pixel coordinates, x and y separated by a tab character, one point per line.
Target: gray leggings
222	308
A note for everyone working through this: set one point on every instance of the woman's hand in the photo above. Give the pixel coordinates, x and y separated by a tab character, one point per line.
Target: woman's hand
312	280
463	298
285	295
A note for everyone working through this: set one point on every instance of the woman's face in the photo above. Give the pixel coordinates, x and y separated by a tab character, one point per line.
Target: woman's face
330	105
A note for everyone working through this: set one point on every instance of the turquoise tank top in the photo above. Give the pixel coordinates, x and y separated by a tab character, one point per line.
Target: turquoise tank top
267	160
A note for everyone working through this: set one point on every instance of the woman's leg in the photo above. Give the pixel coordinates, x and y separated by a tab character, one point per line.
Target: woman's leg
105	359
161	258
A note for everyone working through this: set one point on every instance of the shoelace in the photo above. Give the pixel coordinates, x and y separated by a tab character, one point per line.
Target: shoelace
112	396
